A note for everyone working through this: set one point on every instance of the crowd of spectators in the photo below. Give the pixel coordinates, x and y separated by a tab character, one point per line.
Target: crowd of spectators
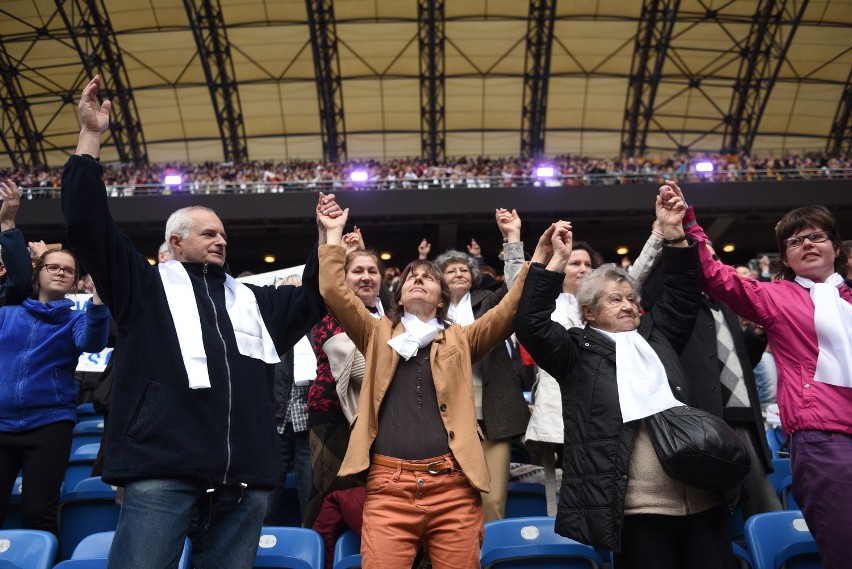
417	173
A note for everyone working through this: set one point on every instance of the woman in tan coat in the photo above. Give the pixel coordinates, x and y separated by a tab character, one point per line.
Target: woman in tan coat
415	433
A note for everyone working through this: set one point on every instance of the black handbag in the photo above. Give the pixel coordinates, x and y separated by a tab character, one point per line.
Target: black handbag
698	448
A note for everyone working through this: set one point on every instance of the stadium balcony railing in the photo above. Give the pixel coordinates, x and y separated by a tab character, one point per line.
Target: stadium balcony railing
461	182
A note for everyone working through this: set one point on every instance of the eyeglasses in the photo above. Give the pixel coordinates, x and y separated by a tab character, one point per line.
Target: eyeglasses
56	269
798	240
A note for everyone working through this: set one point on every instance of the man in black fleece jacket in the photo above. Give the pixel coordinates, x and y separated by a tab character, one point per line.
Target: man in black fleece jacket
192	427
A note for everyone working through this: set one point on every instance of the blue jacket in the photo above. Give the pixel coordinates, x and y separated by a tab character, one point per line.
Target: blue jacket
158	426
41	343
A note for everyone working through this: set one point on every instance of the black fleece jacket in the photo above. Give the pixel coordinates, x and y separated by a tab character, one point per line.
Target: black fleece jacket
159	427
598	443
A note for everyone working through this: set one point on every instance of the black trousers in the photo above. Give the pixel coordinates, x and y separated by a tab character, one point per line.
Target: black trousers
697	541
42	454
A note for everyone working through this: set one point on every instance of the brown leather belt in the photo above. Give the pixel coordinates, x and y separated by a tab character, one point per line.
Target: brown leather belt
443	466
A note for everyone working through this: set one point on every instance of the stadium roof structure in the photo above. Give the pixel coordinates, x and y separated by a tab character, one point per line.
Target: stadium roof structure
237	80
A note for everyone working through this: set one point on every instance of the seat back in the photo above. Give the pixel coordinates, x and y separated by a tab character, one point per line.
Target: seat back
13	510
88	510
781	538
347	551
525	499
532	542
29	548
781	470
293	548
785	493
95	548
80	464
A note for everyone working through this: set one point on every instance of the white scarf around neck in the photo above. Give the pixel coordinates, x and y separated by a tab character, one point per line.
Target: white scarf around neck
417	335
380	309
461	313
643	387
253	339
833	323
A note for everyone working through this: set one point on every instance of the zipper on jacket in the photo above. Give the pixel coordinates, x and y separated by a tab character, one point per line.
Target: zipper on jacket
228	368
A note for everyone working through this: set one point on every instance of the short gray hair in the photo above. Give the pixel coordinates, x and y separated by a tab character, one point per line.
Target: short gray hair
179	223
453	256
592	286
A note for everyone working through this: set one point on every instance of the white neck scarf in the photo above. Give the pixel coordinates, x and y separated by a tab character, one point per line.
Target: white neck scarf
417	335
833	323
253	339
643	387
380	310
461	313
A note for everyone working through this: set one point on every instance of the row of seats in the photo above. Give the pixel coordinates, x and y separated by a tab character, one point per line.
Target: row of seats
774	539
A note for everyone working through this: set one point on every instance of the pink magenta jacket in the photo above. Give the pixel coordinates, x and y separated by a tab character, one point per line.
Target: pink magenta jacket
786	312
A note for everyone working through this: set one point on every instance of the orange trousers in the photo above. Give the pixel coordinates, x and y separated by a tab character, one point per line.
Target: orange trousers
405	509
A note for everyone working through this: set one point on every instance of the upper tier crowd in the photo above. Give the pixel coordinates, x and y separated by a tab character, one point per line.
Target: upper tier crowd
417	173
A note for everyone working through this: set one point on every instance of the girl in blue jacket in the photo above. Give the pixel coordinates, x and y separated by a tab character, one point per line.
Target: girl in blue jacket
40	342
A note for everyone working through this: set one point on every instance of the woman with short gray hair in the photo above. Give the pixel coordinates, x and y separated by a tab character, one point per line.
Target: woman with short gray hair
613	373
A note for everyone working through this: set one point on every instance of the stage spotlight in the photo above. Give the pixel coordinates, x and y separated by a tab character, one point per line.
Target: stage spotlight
544	172
704	167
729	248
359	176
172	180
385	256
622	251
269	259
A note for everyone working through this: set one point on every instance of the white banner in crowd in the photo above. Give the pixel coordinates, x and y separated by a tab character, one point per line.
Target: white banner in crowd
305	366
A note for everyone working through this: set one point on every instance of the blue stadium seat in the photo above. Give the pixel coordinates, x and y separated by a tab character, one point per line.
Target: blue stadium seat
86	412
520	543
28	548
742	556
781	472
87	432
100	563
777	442
89	509
6	564
96	548
785	493
13	510
526	499
347	551
293	548
781	538
80	465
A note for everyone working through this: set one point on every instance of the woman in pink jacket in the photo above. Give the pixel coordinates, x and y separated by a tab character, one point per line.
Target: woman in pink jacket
807	315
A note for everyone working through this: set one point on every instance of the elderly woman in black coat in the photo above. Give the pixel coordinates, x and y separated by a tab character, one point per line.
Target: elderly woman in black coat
613	373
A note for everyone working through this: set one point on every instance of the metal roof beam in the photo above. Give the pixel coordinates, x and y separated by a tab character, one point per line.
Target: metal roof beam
542	16
18	132
211	38
91	32
840	137
760	65
329	85
649	54
430	34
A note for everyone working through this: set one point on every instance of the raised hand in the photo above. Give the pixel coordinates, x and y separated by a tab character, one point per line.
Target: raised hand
670	209
37	249
423	249
353	240
330	219
94	117
11	202
509	224
561	240
473	249
544	249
